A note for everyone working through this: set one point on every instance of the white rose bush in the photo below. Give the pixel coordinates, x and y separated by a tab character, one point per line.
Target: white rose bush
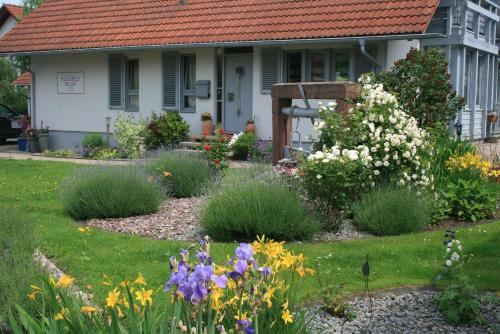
375	142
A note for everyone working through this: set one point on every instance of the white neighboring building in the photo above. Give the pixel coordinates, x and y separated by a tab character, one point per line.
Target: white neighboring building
9	16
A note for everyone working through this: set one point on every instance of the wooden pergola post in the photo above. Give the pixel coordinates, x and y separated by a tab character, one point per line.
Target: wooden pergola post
283	94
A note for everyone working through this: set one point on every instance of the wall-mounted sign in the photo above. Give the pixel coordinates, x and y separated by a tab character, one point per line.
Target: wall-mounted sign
70	83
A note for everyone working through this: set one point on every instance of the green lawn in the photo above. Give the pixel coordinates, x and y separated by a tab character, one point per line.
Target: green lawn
409	260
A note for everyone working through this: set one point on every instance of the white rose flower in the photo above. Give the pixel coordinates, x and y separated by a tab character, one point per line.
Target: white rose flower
448	250
319	177
448	263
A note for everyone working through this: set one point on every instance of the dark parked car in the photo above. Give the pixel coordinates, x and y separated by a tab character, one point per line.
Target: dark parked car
10	123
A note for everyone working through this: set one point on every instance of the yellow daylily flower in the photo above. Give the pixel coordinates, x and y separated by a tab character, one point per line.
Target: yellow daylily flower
241	316
140	280
65	281
113	298
144	297
88	309
287	316
33	294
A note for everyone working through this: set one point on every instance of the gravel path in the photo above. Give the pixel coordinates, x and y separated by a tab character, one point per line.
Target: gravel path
401	312
348	231
177	219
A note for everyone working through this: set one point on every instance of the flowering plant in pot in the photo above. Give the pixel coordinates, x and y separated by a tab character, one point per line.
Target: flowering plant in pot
206	123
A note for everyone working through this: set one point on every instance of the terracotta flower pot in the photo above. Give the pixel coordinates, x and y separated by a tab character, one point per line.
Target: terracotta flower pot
250	128
206	127
492	117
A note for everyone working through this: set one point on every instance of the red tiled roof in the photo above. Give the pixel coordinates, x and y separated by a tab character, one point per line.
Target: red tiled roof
23	80
87	24
14	10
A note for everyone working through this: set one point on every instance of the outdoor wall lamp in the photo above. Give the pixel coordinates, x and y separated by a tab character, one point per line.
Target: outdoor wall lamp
458	129
108	124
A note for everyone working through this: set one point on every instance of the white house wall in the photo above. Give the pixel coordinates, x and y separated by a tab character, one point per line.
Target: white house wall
398	49
7	26
82	113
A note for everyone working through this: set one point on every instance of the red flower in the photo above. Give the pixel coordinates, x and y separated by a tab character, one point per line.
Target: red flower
207	147
222	132
216	161
223	139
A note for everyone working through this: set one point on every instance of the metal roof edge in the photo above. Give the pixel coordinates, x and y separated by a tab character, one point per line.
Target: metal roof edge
231	44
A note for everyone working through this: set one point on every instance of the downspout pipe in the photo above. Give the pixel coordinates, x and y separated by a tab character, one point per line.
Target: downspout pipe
362	47
32	92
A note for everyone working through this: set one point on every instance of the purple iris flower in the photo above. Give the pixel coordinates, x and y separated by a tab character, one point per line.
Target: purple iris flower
246	324
241	267
202	257
199	294
244	252
265	271
202	273
220	281
177	277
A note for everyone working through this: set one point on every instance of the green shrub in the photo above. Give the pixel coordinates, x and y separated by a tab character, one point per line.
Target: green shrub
459	304
167	129
63	153
470	199
422	85
336	183
244	206
17	266
186	173
92	140
110	192
128	133
243	146
107	154
392	211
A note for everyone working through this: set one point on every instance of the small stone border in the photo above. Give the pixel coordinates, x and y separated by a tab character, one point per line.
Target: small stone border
400	311
57	273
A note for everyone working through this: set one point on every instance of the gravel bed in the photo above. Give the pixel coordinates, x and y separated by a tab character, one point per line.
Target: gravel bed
401	312
348	231
177	219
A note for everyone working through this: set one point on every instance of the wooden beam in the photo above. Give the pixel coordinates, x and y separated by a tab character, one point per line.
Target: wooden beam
317	90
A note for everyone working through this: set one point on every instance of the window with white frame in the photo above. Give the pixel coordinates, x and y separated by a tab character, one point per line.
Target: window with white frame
341	66
294	66
188	84
467	76
480	80
469	21
482	26
318	62
132	102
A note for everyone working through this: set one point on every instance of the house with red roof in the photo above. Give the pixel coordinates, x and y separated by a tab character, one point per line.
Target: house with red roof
94	59
9	16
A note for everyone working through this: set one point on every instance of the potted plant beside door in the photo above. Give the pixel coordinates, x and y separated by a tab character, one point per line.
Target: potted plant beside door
206	123
32	139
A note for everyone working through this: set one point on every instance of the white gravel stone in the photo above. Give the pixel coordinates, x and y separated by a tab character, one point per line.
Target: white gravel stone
400	312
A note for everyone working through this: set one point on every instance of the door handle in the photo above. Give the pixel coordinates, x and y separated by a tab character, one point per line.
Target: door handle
230	97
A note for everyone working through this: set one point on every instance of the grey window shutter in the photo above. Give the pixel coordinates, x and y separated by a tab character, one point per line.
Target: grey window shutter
361	64
116	81
271	68
170	79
